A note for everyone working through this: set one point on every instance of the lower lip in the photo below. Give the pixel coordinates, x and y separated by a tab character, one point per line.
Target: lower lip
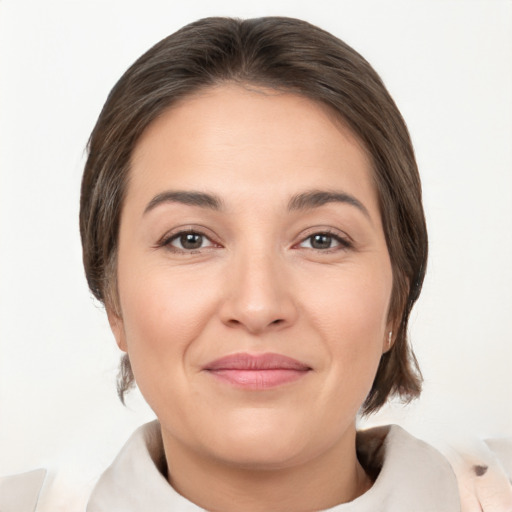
259	379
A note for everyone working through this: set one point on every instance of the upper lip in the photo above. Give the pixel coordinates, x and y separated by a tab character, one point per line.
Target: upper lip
255	362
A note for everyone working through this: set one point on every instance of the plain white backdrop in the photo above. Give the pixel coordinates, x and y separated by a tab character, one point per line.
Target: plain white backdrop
447	63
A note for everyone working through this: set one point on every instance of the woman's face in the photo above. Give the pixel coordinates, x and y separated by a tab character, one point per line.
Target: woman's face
254	278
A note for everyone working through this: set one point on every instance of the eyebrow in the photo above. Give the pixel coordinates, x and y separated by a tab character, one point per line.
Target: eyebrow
190	198
317	198
305	200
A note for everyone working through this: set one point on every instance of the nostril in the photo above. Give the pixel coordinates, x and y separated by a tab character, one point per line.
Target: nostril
277	322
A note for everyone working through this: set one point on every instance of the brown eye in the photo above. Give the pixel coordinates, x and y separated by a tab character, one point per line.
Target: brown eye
321	241
325	241
189	241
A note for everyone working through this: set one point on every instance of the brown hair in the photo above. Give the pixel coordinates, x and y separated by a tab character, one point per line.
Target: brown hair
288	55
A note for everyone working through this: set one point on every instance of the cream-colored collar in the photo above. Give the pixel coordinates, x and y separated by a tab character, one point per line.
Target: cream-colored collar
413	477
19	493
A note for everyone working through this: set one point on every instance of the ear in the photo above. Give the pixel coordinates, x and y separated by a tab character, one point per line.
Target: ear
117	328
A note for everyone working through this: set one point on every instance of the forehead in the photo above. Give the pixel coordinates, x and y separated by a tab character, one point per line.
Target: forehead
251	138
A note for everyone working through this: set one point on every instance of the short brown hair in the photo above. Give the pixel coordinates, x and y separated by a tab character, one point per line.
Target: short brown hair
288	55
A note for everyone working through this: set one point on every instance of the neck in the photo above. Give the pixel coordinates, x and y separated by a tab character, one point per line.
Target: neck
329	479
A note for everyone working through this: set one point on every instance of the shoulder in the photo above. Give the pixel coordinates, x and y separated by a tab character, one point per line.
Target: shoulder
21	492
135	481
409	473
476	473
484	474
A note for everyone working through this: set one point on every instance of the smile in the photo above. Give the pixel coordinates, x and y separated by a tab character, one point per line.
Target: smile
257	372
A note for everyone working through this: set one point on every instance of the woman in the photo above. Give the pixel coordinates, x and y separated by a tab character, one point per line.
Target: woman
251	218
245	265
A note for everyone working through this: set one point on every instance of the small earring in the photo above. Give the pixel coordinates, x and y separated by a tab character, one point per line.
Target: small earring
390	336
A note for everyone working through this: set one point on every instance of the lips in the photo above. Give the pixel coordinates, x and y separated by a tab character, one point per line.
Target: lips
257	372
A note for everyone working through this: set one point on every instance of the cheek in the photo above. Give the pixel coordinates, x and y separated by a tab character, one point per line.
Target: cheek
163	313
353	304
351	315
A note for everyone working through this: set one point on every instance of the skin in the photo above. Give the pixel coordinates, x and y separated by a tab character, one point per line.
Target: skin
256	282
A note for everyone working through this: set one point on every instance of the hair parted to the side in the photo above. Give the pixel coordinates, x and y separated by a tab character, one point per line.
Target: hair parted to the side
283	54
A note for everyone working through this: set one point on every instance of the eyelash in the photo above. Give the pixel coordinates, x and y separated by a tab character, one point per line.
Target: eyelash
167	240
344	243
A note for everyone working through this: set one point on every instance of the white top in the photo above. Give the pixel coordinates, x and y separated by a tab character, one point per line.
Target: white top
413	477
19	493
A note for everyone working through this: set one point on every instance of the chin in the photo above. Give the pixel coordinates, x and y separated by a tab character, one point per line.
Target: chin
260	454
261	440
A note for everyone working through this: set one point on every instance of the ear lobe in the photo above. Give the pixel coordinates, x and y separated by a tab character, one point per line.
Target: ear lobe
389	340
117	328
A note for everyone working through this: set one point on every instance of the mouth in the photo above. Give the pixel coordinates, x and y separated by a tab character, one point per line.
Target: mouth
257	372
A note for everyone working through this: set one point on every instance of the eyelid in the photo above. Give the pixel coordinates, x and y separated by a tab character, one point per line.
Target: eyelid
344	240
169	236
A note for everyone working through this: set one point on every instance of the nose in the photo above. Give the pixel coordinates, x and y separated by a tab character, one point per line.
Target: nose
258	295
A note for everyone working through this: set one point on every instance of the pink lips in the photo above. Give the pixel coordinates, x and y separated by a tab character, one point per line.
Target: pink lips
262	371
